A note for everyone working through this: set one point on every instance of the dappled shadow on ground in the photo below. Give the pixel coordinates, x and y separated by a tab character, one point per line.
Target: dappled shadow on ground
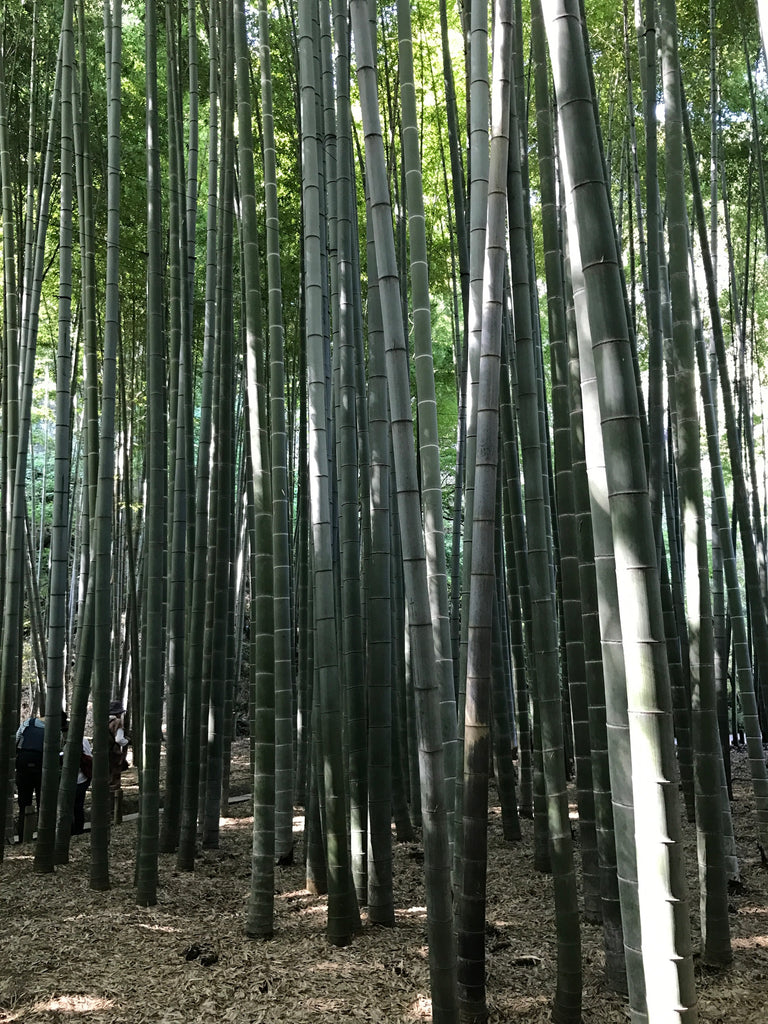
70	954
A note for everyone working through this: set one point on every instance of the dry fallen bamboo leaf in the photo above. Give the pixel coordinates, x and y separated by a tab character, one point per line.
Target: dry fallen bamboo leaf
69	953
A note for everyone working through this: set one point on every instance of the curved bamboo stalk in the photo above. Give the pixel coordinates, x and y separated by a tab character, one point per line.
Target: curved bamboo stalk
60	536
667	953
716	944
434	809
567	416
429	446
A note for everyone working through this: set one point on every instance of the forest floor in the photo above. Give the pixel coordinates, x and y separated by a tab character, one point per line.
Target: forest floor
70	954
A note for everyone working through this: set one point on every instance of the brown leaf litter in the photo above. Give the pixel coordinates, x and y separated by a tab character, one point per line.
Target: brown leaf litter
70	954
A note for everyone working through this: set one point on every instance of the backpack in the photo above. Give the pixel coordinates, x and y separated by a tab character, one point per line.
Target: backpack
29	749
32	738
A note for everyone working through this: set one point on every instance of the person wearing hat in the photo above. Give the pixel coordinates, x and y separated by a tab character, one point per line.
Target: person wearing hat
118	743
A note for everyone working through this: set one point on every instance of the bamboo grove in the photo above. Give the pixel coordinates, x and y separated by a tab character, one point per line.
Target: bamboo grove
390	378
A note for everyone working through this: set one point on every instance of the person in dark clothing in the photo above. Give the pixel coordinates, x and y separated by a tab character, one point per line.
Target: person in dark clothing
84	774
83	782
29	765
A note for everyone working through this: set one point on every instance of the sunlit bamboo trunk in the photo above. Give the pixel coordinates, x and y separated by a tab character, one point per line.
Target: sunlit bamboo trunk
342	908
667	953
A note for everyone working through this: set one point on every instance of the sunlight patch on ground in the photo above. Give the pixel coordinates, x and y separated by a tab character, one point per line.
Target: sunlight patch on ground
753	942
73	1004
409	915
229	824
421	1008
320	908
